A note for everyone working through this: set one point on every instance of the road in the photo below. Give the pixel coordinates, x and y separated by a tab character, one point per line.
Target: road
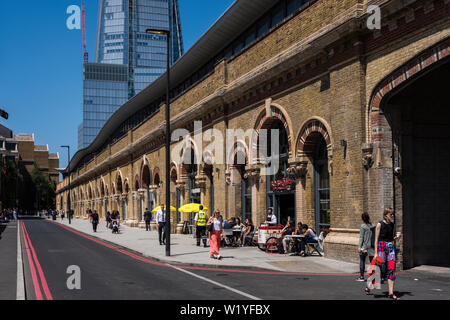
108	272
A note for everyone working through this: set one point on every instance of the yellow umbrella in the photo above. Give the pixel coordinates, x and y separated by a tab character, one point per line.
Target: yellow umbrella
172	209
192	207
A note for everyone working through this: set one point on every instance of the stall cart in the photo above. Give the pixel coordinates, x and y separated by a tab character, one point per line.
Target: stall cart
268	234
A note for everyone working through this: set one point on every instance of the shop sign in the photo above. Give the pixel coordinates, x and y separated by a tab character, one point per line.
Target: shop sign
283	184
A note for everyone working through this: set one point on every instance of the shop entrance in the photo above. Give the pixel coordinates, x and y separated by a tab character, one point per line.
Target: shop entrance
285	207
280	186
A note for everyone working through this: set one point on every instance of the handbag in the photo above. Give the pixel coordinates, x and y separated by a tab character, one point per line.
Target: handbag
210	227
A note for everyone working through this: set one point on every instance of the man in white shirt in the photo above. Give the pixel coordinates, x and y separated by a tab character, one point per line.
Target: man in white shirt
161	222
271	218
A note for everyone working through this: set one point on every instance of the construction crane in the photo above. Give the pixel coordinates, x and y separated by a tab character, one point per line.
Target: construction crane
83	21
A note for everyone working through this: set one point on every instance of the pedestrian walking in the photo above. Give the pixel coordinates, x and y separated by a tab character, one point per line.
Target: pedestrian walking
200	223
385	249
366	244
215	229
15	214
62	215
108	220
95	220
161	222
89	214
147	219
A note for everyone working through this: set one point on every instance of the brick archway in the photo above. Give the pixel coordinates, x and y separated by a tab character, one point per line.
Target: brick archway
156	176
137	184
396	81
184	167
173	172
119	182
265	119
238	148
146	174
312	128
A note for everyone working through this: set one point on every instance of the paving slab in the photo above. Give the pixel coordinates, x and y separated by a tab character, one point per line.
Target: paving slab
8	260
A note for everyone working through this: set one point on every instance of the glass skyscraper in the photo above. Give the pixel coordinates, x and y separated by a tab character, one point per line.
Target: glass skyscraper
140	57
105	89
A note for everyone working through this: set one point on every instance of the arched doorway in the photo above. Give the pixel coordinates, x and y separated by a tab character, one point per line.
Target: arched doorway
175	196
190	170
120	201
314	146
280	186
146	182
417	113
209	173
190	166
154	197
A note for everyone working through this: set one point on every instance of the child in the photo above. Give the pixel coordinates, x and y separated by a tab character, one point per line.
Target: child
115	227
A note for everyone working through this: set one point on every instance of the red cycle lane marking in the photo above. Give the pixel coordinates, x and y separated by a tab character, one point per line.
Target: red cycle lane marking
134	256
41	273
37	289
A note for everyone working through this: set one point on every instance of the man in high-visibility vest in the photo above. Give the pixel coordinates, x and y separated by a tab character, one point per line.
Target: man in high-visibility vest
200	222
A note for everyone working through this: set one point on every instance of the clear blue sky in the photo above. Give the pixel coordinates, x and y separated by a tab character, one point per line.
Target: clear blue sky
41	64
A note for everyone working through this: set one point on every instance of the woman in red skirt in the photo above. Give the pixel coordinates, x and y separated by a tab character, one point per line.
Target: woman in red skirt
215	235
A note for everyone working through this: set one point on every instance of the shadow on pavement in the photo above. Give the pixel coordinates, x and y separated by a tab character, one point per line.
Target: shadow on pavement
2	228
398	294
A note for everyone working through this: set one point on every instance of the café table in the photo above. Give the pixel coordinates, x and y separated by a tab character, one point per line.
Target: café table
295	238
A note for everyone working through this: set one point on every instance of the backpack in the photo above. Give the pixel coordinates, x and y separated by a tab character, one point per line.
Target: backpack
372	238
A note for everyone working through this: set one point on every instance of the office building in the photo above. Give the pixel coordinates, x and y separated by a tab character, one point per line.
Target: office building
139	58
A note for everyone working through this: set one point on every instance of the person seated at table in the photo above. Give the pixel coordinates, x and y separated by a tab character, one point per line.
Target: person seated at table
287	231
237	229
298	231
247	229
230	223
309	237
271	218
228	226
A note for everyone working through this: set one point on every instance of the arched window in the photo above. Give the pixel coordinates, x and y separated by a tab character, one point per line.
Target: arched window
321	185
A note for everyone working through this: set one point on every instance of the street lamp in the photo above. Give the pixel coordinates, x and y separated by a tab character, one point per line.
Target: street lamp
4	114
68	172
167	231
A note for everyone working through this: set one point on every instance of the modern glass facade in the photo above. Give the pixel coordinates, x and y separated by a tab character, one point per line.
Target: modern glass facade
122	38
105	89
122	41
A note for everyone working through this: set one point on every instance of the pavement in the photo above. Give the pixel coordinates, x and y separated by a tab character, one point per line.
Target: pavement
184	251
8	260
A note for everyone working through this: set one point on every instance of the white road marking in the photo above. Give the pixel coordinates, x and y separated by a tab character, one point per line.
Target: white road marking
20	292
218	284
